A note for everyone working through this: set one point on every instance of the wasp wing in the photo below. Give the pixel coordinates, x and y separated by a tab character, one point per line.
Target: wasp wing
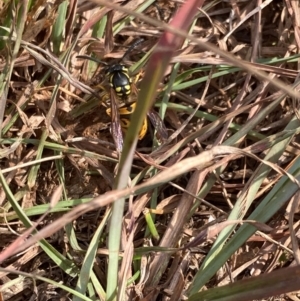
162	133
116	129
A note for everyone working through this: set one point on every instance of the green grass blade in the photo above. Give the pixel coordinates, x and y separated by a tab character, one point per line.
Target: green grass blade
59	27
87	265
67	266
216	257
34	170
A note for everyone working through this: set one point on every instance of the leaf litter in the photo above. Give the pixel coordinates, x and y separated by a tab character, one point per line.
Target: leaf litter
187	217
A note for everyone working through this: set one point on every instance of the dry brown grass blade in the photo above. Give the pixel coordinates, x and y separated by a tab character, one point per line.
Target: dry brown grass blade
22	61
172	233
28	91
55	64
6	152
197	58
202	134
207	46
177	281
295	245
250	34
93	20
200	161
167	205
71	18
28	255
17	244
38	24
128	5
294	11
212	231
13	52
125	270
109	38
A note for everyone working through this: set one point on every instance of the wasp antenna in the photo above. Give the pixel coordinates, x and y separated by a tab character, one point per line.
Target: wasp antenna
132	46
90	58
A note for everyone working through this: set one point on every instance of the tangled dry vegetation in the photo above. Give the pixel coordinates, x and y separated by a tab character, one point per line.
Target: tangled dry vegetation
56	133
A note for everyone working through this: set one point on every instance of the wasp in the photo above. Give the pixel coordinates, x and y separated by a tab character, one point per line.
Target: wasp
122	96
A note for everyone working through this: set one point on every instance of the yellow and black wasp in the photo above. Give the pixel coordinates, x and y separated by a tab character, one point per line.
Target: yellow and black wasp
120	90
